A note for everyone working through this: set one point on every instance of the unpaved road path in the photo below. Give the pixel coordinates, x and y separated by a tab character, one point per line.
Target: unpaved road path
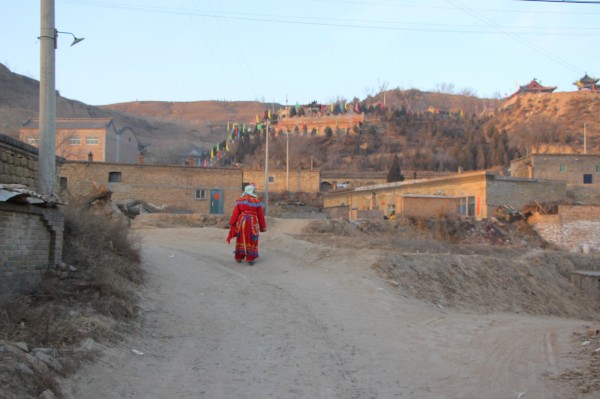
312	322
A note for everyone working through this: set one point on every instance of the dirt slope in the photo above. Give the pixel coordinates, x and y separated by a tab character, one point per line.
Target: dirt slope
321	320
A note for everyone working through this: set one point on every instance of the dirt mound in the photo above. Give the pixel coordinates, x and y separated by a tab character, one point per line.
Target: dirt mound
481	266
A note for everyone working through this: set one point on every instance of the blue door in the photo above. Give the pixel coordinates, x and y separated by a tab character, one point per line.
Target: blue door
216	202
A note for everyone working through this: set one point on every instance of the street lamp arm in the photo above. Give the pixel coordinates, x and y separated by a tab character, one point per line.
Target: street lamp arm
75	38
55	38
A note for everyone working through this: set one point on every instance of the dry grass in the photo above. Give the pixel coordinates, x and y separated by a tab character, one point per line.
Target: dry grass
91	296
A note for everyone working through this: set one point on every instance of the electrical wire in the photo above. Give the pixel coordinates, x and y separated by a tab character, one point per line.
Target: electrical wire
332	22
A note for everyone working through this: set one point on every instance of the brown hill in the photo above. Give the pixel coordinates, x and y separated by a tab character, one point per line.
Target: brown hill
557	118
193	112
172	128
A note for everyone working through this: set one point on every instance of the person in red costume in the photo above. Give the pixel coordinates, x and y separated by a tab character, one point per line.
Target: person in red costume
246	221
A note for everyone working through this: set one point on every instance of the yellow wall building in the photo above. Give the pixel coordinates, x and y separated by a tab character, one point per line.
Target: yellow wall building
82	139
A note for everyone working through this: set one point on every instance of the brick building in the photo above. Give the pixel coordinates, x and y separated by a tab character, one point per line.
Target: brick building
320	122
580	172
173	188
31	236
80	139
476	194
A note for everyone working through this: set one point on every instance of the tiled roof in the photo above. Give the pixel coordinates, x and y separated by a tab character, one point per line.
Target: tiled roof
72	123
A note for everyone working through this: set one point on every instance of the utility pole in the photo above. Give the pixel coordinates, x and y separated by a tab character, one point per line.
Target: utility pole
584	140
287	160
267	171
47	113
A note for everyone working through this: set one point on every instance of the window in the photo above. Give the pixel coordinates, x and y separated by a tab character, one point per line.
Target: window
92	140
63	183
587	178
597	168
563	168
114	177
200	194
466	206
74	141
271	179
471	206
462	206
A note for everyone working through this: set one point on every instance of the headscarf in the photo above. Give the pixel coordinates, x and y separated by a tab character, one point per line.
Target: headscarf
249	190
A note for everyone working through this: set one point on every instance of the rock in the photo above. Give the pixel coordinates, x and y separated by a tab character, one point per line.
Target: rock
36	364
50	361
22	345
47	394
88	344
25	369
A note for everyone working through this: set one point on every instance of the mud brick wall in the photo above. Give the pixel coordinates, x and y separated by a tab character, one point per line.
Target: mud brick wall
18	162
300	181
171	187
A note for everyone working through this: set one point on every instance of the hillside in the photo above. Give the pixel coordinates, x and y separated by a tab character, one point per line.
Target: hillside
555	118
427	130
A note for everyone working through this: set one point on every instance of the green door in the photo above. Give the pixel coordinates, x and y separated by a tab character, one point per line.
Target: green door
216	202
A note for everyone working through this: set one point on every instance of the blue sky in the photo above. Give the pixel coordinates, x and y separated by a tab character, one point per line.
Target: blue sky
302	50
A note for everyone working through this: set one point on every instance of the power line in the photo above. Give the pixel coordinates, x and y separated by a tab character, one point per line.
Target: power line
329	22
563	1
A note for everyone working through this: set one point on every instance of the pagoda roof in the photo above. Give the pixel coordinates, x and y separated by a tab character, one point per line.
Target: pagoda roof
535	87
587	79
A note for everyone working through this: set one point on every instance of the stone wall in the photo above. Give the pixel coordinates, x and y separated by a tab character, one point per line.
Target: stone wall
173	188
18	162
576	228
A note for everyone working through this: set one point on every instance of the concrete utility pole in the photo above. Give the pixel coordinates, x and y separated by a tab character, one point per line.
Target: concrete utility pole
47	113
584	140
267	171
287	160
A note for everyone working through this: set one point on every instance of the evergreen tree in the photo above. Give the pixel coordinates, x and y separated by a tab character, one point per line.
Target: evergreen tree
395	173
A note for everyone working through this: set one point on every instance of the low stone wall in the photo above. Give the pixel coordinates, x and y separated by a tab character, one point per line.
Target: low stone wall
18	162
576	228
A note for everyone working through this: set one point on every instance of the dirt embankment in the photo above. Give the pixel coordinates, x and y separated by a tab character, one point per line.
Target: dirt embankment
339	309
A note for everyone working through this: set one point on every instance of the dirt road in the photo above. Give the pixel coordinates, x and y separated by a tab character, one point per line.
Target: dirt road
309	321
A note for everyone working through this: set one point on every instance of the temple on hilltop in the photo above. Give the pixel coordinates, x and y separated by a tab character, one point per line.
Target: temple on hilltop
586	83
534	87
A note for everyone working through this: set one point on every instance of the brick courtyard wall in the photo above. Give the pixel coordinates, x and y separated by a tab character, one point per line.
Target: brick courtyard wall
31	237
31	241
300	181
171	187
574	228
